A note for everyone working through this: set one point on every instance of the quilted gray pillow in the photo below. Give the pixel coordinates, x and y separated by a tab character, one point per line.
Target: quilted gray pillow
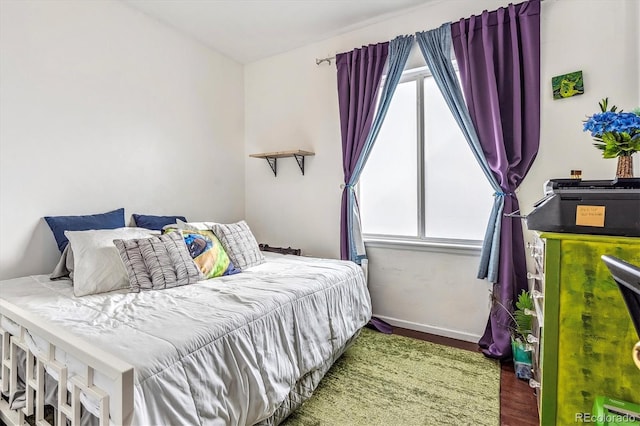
158	262
239	243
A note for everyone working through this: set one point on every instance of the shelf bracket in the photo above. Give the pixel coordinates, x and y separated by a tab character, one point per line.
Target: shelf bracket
300	160
272	158
273	164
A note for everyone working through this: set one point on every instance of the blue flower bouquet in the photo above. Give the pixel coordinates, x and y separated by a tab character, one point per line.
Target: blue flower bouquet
617	135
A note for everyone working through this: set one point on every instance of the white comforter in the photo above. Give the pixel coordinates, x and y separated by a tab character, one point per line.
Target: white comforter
226	351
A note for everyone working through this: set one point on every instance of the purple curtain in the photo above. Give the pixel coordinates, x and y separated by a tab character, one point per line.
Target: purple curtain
498	55
359	76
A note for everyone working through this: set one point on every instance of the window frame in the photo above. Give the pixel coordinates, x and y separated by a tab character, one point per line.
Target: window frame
420	242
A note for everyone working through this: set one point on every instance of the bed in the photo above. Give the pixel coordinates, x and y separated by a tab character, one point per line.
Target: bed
241	349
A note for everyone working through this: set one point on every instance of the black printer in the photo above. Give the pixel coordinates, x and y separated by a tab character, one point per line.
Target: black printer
588	207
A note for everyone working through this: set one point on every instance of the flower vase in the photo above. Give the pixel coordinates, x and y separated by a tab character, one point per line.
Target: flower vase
521	359
625	167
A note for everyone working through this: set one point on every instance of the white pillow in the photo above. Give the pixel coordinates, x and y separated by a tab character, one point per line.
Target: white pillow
97	267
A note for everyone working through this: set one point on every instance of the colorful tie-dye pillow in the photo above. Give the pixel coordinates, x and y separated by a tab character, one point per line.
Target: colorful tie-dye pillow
207	252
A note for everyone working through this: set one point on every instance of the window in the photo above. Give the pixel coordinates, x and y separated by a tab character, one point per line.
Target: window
421	181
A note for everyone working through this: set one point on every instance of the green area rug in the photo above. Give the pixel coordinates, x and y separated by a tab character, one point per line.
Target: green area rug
393	380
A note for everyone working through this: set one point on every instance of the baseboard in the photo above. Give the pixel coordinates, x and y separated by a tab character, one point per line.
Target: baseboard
439	331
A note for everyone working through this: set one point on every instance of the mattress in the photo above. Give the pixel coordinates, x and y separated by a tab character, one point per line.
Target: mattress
226	351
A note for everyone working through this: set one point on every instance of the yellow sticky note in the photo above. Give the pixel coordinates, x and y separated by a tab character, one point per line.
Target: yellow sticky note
590	216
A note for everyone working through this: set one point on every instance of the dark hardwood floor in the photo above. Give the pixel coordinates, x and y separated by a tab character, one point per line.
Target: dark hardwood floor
518	405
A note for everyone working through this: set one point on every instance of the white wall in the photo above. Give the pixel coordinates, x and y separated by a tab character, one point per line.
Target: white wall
292	103
102	107
580	44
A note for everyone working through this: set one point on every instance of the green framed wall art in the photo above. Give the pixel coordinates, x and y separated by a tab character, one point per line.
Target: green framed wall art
567	85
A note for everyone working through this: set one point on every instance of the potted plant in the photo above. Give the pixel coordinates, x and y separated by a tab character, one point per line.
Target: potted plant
521	327
617	135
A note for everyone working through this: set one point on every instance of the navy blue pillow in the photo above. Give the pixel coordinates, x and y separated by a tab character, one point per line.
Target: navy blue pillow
59	224
155	222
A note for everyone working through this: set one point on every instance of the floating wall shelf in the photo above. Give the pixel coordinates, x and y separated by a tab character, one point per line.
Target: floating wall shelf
272	158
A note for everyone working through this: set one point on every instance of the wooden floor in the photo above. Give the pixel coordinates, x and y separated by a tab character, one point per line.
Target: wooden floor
518	406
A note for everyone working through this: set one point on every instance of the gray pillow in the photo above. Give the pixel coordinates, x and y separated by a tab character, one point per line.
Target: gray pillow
239	243
158	262
64	268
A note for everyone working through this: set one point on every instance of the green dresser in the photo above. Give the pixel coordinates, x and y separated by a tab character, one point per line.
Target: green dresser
587	334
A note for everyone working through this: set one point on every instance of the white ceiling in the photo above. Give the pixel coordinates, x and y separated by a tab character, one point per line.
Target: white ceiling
250	30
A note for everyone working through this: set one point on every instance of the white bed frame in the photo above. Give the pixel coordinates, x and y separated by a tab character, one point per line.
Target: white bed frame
116	408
